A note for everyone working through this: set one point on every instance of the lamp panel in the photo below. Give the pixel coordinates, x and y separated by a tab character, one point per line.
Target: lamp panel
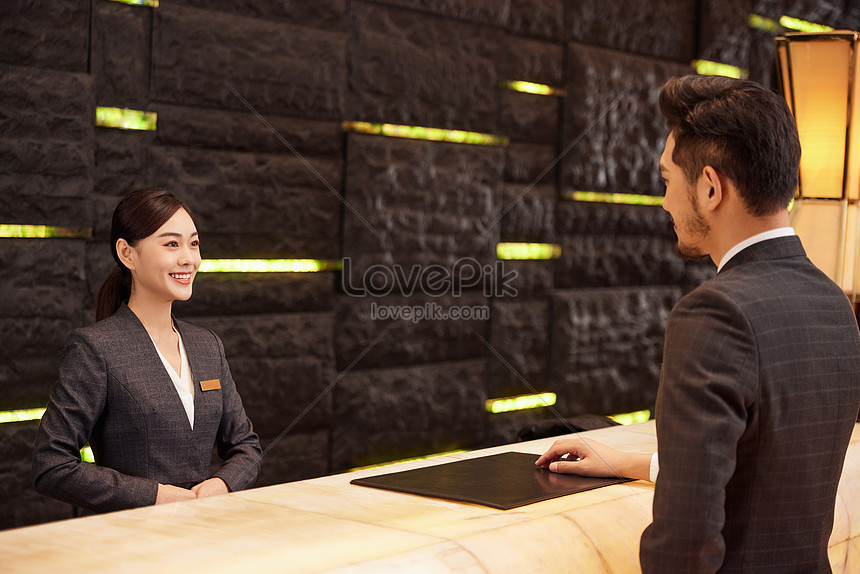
853	183
850	264
819	79
814	223
784	72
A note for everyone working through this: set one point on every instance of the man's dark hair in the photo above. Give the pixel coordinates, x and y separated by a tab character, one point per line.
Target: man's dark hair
739	128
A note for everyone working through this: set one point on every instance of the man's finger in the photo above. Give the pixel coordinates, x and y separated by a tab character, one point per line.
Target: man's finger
564	467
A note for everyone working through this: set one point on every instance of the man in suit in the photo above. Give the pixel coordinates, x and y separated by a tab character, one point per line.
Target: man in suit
760	385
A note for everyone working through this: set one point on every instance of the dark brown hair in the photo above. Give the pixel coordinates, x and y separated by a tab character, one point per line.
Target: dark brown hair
138	215
739	128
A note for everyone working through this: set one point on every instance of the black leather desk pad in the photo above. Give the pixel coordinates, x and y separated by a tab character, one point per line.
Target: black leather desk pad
502	481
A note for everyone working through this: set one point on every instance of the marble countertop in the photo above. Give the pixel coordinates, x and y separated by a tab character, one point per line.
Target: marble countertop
327	524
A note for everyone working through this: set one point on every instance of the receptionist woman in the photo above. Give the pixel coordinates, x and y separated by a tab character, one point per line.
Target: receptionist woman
150	393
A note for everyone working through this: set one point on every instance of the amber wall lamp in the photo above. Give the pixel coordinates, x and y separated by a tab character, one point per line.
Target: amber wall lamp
820	81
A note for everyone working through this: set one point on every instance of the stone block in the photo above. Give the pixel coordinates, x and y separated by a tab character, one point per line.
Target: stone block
763	60
410	68
519	336
243	131
30	351
537	18
46	118
664	29
531	163
389	414
98	264
20	504
258	293
26	381
51	34
416	202
120	166
282	365
529	117
48	282
119	55
253	204
281	394
532	61
277	67
606	348
368	337
325	14
534	279
602	261
614	120
529	212
492	12
285	336
296	456
724	32
42	210
585	218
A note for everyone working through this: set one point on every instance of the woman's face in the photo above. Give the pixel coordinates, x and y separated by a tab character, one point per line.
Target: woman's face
165	263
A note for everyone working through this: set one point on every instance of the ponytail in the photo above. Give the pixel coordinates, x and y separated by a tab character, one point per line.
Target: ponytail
115	289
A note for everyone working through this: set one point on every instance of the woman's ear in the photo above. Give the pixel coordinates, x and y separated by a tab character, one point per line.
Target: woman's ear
125	252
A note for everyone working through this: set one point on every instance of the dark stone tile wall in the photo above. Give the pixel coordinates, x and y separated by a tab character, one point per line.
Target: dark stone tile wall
607	346
664	29
409	67
251	96
613	116
401	412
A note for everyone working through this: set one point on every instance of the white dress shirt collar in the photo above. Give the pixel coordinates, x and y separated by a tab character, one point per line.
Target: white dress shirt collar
769	234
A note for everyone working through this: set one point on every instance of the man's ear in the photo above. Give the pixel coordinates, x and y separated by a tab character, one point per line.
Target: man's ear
711	188
125	252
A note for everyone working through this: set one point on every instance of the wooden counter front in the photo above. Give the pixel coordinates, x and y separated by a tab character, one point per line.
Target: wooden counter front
326	524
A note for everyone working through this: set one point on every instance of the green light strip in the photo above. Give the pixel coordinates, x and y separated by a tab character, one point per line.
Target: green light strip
532	88
87	454
764	24
394	462
21	415
631	418
124	119
44	231
424	133
148	3
268	266
520	403
526	251
709	68
802	25
619	198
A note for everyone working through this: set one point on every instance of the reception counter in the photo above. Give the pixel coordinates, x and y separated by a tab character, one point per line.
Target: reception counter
327	524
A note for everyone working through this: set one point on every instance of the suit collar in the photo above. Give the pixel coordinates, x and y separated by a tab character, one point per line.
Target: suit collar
767	250
163	385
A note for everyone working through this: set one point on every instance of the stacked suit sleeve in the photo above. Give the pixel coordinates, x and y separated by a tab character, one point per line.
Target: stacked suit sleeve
237	444
708	382
76	403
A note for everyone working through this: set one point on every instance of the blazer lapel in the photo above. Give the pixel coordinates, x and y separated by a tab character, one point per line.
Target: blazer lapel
155	382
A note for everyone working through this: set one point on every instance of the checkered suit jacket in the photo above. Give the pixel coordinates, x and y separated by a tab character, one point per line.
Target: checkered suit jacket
758	396
113	390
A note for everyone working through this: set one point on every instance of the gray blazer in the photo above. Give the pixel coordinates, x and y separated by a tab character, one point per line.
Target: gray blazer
758	396
114	391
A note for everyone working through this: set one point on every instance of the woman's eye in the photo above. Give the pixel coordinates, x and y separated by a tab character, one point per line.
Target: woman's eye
195	243
172	244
